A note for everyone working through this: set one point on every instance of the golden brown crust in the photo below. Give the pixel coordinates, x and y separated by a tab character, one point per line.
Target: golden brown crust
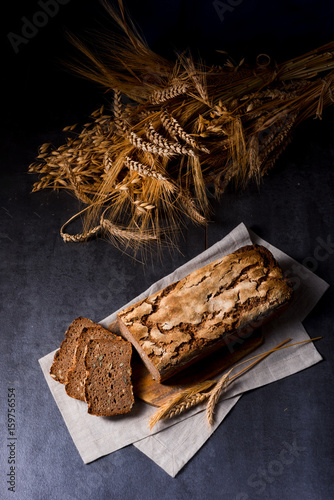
195	316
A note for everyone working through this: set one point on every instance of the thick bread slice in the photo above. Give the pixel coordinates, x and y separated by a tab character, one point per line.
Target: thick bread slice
108	387
193	317
63	358
75	383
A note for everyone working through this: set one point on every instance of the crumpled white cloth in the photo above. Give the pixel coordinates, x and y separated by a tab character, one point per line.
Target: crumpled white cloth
173	442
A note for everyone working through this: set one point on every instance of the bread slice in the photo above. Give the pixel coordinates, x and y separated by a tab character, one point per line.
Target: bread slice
63	358
75	383
108	386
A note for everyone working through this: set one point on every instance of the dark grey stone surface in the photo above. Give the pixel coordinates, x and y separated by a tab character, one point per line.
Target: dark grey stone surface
45	283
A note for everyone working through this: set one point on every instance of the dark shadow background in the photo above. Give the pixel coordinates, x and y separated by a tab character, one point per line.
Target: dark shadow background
38	86
46	283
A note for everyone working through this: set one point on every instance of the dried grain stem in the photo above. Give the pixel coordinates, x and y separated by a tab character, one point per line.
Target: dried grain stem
142	169
76	185
175	130
125	235
147	147
181	402
199	392
118	112
162	95
174	147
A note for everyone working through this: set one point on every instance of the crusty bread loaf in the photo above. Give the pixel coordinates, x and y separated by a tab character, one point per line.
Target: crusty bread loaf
75	382
108	387
63	358
197	315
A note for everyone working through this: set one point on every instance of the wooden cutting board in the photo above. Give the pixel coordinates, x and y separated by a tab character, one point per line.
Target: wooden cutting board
153	393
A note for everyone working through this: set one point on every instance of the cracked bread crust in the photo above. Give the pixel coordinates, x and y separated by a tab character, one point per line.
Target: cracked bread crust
197	315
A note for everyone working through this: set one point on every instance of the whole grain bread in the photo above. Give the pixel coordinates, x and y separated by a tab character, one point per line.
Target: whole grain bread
75	382
108	386
63	357
202	312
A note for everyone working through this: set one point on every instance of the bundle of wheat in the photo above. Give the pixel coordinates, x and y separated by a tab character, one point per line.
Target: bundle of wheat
144	166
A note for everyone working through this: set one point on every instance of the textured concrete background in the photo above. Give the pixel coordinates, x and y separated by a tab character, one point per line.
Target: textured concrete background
46	283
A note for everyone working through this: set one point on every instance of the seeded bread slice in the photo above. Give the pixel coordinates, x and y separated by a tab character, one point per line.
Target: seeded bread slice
75	383
108	386
63	358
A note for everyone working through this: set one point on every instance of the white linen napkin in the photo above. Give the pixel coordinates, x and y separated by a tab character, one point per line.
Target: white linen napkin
173	442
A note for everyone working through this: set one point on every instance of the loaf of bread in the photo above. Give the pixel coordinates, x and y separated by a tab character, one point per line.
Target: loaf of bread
200	313
75	381
108	387
63	358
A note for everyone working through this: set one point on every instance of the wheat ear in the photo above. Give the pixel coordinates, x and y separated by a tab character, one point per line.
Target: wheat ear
174	147
190	397
143	170
176	131
125	235
163	95
76	185
188	205
118	112
147	147
181	402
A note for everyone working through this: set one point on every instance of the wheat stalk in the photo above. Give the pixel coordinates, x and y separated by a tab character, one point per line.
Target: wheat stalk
181	402
143	170
146	146
174	147
190	126
76	185
189	207
118	113
199	393
126	235
107	162
253	157
175	130
162	95
78	237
